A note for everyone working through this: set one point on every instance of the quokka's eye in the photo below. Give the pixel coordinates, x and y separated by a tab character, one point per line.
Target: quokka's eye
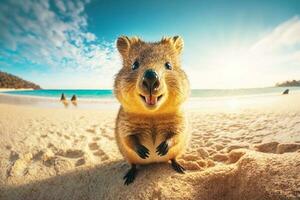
135	65
168	66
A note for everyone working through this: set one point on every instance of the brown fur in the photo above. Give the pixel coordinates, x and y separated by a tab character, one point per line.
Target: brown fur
166	120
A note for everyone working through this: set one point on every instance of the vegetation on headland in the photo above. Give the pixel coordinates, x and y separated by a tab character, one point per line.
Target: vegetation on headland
10	81
288	84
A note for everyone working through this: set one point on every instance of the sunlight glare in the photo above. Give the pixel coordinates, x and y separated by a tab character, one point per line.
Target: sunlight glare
233	103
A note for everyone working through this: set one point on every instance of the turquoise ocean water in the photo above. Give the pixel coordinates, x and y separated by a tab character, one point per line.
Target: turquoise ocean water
100	94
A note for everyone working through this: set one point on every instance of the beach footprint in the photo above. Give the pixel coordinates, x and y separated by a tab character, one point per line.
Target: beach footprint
269	147
61	165
287	148
278	148
97	151
19	164
93	146
70	153
80	162
235	155
91	130
103	156
96	138
63	160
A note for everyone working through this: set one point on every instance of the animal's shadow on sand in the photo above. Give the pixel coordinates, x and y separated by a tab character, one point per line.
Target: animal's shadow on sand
99	182
248	179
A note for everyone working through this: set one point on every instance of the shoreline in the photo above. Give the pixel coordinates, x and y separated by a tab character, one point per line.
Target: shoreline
273	102
55	98
100	99
212	95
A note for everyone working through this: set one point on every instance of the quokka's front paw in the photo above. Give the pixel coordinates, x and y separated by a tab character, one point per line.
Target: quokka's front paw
142	151
162	149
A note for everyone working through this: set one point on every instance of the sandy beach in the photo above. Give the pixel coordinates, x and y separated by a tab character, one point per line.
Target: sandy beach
240	148
13	89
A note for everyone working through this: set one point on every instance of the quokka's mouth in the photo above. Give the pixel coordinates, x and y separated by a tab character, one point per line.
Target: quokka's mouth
151	100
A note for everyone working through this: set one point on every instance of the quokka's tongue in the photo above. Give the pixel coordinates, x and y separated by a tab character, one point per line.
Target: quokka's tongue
151	100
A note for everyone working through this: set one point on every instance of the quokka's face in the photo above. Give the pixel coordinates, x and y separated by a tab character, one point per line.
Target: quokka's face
151	78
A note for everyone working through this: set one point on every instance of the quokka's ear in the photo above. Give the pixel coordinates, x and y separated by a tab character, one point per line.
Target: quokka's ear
176	42
124	43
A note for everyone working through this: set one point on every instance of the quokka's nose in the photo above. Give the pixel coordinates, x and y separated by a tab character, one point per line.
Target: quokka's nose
150	80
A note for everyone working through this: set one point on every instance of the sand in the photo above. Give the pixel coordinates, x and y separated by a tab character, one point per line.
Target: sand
243	152
13	89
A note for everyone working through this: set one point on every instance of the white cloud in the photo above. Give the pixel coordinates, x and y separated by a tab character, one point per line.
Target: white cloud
281	47
273	58
60	5
54	33
286	35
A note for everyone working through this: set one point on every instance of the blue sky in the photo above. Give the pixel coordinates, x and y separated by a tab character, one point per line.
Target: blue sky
228	44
